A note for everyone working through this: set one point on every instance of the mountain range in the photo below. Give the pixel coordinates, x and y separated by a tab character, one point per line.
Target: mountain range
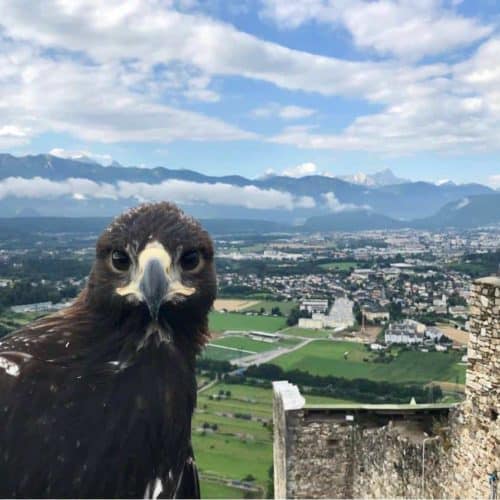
385	177
48	185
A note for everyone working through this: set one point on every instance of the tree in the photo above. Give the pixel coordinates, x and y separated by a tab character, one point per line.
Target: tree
294	315
396	311
276	311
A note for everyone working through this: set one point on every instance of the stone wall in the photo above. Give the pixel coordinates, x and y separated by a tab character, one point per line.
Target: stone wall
374	451
369	451
475	436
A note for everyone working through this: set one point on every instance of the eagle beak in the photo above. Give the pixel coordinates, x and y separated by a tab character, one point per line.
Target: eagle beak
155	280
154	286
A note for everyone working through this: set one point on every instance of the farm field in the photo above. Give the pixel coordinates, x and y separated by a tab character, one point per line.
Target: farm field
248	344
210	489
307	332
221	354
234	304
238	446
327	358
267	305
220	322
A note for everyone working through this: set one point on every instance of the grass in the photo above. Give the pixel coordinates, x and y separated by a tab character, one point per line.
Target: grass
238	447
220	354
307	332
221	322
339	266
10	321
233	456
240	342
210	489
248	344
327	358
267	305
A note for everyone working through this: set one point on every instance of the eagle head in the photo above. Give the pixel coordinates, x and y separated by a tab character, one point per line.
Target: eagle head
155	264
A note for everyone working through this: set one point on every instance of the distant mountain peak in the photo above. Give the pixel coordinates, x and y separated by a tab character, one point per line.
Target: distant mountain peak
445	182
385	177
84	157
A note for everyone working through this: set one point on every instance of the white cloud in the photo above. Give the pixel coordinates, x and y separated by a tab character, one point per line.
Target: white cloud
93	103
151	34
183	192
405	28
494	181
118	63
290	112
301	170
462	203
335	205
457	112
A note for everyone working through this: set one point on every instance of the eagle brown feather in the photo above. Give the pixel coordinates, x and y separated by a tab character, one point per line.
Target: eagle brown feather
102	402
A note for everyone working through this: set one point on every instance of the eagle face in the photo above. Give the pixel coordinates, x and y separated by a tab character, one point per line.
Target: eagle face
157	263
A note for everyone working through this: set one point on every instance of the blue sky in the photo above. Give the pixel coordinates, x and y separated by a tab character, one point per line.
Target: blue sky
249	87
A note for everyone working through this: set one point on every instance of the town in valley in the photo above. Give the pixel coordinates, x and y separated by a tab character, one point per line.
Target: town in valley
360	317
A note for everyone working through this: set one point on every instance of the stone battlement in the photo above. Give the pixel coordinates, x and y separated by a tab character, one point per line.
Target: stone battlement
374	451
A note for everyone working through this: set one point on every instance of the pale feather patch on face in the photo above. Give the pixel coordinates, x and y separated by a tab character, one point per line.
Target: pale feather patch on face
155	250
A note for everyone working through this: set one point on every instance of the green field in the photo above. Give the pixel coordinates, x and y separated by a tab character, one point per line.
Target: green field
10	321
238	447
307	332
248	344
267	305
210	489
245	343
339	266
327	358
220	322
221	354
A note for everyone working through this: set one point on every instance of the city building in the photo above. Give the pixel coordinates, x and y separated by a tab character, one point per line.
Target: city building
314	305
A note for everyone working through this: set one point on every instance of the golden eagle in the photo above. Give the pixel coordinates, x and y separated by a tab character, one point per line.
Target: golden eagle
97	400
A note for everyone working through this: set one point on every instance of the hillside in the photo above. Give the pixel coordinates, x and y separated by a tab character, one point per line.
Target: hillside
471	211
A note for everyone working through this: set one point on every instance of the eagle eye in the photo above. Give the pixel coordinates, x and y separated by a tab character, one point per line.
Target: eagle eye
120	260
190	260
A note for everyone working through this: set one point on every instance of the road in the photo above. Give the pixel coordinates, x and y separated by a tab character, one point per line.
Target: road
264	357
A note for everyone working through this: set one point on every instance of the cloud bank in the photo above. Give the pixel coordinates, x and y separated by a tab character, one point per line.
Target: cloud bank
182	192
334	205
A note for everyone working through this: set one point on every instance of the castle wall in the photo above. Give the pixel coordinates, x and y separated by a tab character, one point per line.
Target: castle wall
375	451
378	454
475	436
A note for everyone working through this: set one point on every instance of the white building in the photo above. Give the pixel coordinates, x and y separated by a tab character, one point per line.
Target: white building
433	333
340	314
264	336
310	323
314	305
339	317
407	331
